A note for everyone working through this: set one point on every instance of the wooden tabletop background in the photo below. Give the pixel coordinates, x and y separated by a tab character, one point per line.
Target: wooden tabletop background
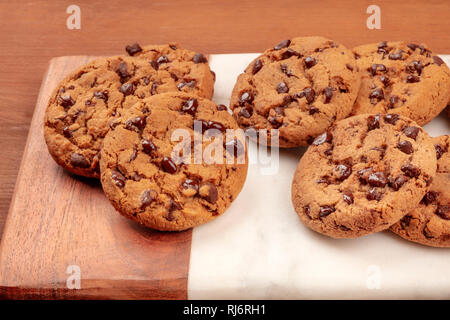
32	32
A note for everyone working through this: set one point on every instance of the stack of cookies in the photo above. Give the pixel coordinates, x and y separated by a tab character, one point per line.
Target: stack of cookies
114	119
370	166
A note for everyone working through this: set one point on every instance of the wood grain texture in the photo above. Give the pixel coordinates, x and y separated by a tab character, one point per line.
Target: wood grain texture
32	32
57	220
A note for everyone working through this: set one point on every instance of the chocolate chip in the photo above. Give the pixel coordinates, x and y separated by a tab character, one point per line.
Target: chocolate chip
221	107
439	151
246	97
189	187
257	66
186	83
208	191
437	60
373	122
289	53
349	67
415	66
313	110
309	94
398	182
216	126
78	160
190	106
376	95
405	147
67	132
396	56
363	175
382	47
391	118
412	46
148	146
443	211
282	44
385	81
412	78
393	100
102	95
376	67
137	122
374	194
168	165
246	112
147	197
66	101
429	197
377	179
410	170
282	87
324	137
328	92
154	65
127	89
310	62
162	59
324	179
132	49
199	58
348	197
122	71
307	211
343	171
118	178
326	210
411	132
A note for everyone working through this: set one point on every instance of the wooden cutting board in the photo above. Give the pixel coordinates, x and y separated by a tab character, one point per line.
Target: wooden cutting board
58	223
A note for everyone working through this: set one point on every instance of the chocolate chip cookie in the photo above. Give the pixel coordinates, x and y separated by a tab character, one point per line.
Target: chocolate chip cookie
300	87
83	106
149	178
429	223
363	175
402	78
190	70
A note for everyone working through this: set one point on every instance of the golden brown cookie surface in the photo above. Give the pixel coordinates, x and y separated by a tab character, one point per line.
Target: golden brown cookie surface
300	87
401	78
429	223
363	175
144	181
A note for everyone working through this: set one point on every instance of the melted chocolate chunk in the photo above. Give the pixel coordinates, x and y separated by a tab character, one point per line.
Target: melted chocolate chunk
282	44
324	137
190	106
411	132
347	197
326	210
373	122
199	58
405	147
132	49
429	197
410	170
257	66
391	118
78	160
118	178
398	182
147	197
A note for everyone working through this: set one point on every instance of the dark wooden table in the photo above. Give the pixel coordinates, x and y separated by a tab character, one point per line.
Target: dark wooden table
32	32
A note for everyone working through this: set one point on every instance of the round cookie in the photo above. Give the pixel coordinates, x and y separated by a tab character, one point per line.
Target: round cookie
300	87
429	223
401	78
189	69
86	102
144	181
363	175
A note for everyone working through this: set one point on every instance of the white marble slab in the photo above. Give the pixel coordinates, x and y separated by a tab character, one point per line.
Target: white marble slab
259	249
